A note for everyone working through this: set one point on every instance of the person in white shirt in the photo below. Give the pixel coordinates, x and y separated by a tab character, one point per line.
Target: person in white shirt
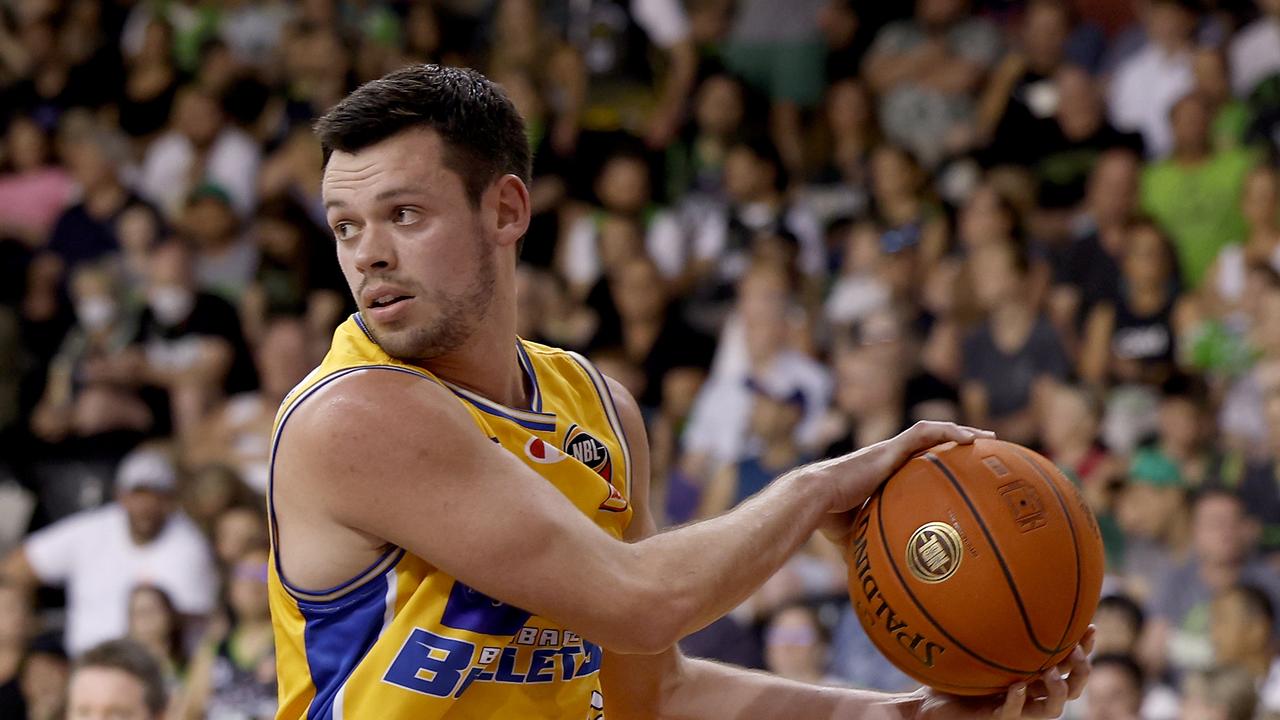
1146	85
754	346
100	555
200	137
1255	51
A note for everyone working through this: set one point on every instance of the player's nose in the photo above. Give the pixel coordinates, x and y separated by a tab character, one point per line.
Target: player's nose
375	250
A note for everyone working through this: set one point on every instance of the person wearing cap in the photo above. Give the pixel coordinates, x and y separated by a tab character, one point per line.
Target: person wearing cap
776	410
1152	512
99	555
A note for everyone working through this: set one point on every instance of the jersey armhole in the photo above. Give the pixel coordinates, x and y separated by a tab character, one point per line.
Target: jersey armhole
380	566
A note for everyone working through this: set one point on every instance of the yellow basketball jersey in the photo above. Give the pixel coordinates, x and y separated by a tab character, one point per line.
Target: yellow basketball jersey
403	639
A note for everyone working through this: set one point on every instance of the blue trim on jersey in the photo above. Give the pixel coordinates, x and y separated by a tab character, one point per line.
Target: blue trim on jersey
360	321
336	639
536	402
496	411
271	474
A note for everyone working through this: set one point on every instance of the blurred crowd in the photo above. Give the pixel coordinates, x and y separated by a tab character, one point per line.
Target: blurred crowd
790	228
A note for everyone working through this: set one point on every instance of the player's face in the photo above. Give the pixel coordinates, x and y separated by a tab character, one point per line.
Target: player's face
106	694
410	244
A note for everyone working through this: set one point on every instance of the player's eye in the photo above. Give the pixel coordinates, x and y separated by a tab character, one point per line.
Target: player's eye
406	216
344	230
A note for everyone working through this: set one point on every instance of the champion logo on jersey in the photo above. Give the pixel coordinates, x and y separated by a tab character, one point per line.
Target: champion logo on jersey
540	452
586	449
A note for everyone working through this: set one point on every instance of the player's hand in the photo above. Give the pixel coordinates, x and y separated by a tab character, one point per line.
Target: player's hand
1042	698
854	477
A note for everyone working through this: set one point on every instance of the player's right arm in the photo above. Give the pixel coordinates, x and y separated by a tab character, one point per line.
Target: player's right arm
390	458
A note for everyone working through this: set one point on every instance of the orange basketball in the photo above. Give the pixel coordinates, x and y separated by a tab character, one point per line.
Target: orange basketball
975	566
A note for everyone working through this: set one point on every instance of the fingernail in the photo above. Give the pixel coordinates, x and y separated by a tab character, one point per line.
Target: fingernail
1021	690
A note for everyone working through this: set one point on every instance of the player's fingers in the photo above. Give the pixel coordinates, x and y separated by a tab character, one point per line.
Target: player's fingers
1055	693
1086	642
1079	672
1014	702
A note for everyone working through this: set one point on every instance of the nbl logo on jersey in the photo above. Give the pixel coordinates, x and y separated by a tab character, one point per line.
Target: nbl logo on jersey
588	450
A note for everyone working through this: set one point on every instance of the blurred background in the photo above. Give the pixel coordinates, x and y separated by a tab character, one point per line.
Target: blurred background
791	227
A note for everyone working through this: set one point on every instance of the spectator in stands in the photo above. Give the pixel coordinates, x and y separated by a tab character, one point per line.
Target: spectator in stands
926	71
44	677
200	147
1119	620
1151	512
650	330
726	240
91	391
1255	50
151	83
1262	469
1229	116
1069	426
189	343
96	155
1115	688
210	490
1259	201
778	50
238	529
237	433
901	204
1219	694
755	345
618	86
848	134
1146	85
154	623
34	188
225	259
871	374
1195	192
117	679
695	160
625	199
1242	628
775	413
1184	434
1010	356
1221	557
233	673
1132	337
795	645
295	275
100	554
16	625
1088	270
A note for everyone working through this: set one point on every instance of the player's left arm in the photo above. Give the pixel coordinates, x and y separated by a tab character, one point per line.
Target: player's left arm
674	687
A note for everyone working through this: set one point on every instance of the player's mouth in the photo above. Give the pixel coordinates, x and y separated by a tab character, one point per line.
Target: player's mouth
385	304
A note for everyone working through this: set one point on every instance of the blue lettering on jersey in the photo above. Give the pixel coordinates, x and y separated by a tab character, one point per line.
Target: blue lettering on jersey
445	667
472	610
430	664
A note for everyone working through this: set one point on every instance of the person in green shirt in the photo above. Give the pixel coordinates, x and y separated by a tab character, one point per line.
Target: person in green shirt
1195	192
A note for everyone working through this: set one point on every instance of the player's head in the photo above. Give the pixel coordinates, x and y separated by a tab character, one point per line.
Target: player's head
1115	688
425	191
117	680
1240	623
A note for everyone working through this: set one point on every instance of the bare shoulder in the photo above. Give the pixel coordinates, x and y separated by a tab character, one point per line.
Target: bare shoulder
628	408
343	450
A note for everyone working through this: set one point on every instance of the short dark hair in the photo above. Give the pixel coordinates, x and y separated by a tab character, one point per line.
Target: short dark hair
1126	606
1125	664
483	133
129	657
1256	602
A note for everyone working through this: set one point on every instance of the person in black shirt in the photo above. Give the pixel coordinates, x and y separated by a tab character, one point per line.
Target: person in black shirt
189	344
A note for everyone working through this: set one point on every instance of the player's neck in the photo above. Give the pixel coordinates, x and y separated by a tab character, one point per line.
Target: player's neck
488	364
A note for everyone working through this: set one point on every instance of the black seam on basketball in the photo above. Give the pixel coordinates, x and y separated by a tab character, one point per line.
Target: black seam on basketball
902	582
995	549
1075	543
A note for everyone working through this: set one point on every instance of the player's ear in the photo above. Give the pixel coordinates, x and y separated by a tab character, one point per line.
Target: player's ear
510	198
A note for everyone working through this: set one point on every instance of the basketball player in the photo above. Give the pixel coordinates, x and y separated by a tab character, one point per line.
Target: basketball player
460	518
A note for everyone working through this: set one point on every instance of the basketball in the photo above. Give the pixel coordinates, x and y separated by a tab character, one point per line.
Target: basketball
975	567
